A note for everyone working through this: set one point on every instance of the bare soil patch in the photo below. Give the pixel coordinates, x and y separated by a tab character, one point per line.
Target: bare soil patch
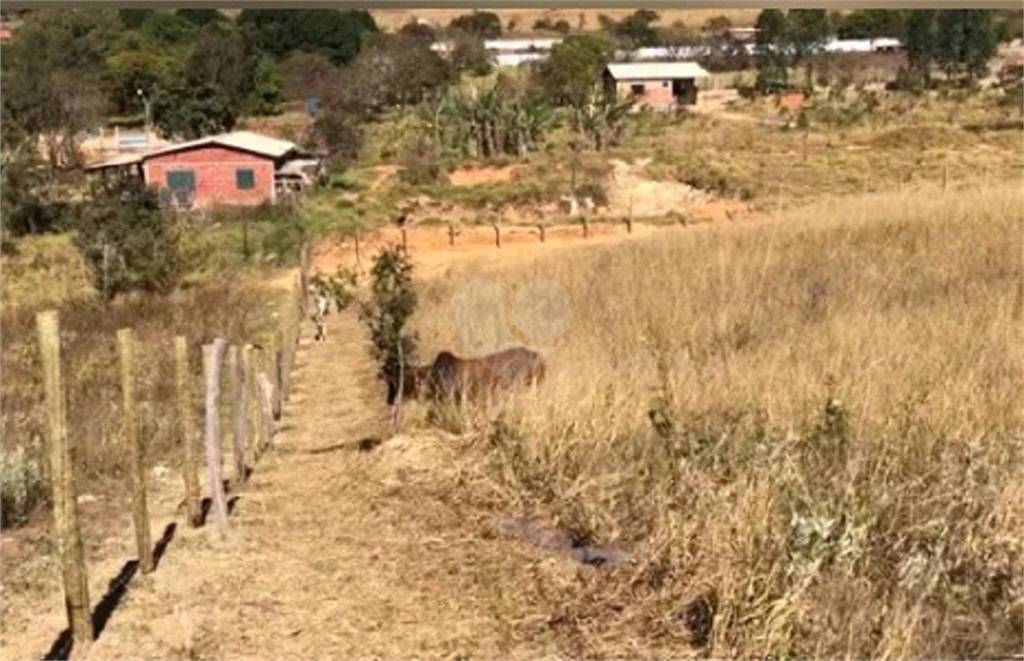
484	175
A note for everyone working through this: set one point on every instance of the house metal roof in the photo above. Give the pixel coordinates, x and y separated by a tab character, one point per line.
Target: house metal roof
656	70
117	161
244	140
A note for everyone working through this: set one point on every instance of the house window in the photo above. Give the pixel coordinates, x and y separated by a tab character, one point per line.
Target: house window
245	179
181	180
637	88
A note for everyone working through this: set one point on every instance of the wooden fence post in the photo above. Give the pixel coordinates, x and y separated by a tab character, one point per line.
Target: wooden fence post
140	516
65	500
238	404
253	423
497	236
405	242
303	279
358	262
213	357
187	429
278	374
451	234
268	433
542	229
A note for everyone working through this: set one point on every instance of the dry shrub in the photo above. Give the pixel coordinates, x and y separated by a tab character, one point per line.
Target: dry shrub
838	439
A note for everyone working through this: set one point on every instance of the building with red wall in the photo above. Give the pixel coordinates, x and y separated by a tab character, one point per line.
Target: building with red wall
661	85
232	169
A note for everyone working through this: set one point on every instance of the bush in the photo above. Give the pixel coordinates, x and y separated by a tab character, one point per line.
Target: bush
127	240
392	304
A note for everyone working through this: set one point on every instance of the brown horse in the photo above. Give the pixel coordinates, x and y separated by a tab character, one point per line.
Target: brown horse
465	378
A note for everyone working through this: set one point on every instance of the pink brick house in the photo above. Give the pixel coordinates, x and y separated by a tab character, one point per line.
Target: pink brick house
661	85
232	169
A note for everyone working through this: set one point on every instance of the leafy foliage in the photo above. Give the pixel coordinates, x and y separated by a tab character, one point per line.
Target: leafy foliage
223	78
499	120
871	24
52	70
337	34
484	24
572	71
637	29
393	301
960	41
773	48
126	239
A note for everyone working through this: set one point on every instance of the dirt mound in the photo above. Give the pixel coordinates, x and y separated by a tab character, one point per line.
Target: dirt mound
484	175
629	191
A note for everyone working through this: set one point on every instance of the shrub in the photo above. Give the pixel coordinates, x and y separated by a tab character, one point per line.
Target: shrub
127	240
393	301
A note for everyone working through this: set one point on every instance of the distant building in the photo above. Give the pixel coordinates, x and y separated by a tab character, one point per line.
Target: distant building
661	85
233	169
508	52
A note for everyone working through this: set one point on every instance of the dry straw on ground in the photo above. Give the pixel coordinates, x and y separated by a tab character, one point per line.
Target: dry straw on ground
839	454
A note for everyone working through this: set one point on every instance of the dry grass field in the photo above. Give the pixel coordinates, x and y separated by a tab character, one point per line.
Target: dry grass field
885	524
522	20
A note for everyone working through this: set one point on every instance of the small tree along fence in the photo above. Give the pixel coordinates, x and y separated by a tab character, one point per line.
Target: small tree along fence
259	383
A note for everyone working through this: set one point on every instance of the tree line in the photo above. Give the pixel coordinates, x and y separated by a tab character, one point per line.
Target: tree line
958	41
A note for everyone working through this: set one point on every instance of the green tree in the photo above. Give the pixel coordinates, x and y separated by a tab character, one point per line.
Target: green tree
965	41
773	48
52	75
30	203
872	24
572	72
920	43
809	29
166	29
126	239
134	18
337	34
133	70
484	24
224	76
201	16
638	29
393	302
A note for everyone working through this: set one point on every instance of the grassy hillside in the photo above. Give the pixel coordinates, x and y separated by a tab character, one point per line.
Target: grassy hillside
843	472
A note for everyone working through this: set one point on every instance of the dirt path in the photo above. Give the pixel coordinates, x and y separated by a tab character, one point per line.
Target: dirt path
334	553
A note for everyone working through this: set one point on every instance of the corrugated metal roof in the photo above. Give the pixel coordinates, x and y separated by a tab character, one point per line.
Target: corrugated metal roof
244	140
656	70
117	161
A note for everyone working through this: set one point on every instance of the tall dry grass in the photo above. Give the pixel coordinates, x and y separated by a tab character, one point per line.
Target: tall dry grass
839	398
238	310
